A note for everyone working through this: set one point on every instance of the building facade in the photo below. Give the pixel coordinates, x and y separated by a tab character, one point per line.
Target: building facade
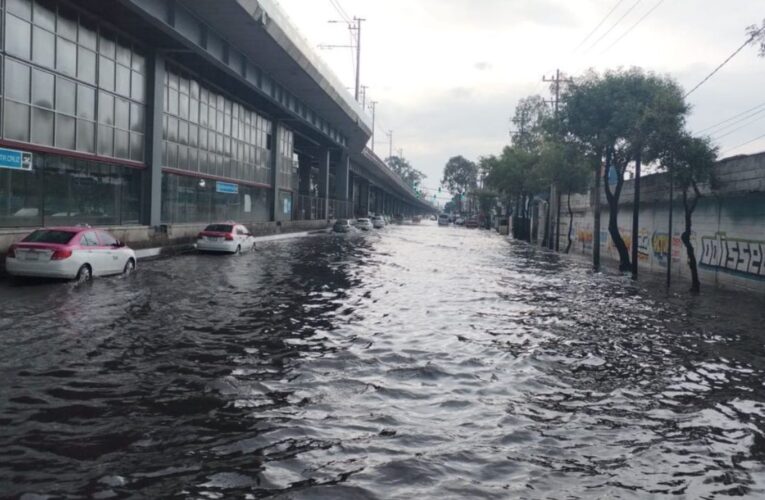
167	112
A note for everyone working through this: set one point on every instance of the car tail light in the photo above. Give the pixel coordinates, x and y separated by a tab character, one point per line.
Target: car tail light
61	254
229	237
11	252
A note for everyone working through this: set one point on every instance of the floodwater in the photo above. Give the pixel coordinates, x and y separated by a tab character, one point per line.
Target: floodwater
414	362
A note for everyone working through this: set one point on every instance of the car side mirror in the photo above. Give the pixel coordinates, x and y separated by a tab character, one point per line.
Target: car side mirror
118	244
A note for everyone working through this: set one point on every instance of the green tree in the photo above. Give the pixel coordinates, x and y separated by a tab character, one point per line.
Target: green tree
690	161
404	169
566	165
615	117
460	176
529	121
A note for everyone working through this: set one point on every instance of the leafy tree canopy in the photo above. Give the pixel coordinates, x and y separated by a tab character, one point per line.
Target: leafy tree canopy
460	175
531	117
757	34
404	169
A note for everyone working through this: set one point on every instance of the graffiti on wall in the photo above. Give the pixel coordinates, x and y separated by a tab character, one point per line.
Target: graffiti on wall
739	256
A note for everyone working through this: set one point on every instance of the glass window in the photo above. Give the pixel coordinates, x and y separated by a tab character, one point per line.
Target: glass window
18	37
42	126
138	63
86	132
122	113
105	140
43	47
106	73
136	117
106	45
22	8
137	87
66	57
16	80
67	23
172	102
86	64
86	102
65	95
106	238
136	146
45	14
19	199
105	108
65	126
87	34
89	239
42	89
123	54
121	144
16	121
123	81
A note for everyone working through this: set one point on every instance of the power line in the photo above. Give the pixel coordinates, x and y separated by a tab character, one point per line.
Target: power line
339	9
718	68
598	26
746	124
711	127
743	144
633	26
613	26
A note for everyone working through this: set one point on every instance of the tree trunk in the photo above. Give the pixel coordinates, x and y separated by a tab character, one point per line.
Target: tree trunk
613	217
596	223
686	237
570	224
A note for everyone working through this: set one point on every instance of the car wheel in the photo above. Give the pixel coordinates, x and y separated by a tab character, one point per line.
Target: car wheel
84	274
129	267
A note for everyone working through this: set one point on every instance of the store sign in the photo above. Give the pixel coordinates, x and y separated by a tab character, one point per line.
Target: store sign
15	160
226	187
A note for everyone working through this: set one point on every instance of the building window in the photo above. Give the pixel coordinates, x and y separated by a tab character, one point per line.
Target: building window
85	82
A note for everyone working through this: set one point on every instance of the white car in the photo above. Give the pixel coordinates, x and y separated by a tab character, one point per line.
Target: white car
71	253
378	222
443	220
228	237
364	224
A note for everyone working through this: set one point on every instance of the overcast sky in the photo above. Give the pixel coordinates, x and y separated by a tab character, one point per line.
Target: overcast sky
448	73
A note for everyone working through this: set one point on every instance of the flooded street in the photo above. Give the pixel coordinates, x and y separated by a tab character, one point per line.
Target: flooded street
414	362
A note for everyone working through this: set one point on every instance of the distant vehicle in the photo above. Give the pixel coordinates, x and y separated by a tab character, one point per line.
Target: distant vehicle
398	219
433	217
228	237
342	226
378	222
416	219
471	223
70	253
459	221
443	220
364	224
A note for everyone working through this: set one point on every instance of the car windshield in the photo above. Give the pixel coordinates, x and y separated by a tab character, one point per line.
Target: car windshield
50	236
342	222
219	228
363	220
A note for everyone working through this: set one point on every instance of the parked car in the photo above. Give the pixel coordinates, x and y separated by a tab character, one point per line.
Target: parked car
364	224
443	220
342	226
471	223
228	237
459	221
378	222
71	253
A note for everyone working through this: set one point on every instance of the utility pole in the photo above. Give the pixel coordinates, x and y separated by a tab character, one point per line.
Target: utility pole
364	96
390	144
554	243
373	105
358	54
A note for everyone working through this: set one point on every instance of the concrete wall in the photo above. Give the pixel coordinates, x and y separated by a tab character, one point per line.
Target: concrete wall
728	232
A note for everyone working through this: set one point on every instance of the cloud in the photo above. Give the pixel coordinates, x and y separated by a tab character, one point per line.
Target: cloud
482	66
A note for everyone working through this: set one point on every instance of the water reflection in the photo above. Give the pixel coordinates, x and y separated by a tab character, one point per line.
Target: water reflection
438	362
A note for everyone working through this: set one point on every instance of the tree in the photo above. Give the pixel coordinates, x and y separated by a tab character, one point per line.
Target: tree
529	120
460	175
566	165
757	36
404	169
690	161
614	117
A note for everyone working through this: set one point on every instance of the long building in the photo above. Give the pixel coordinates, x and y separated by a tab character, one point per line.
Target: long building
156	116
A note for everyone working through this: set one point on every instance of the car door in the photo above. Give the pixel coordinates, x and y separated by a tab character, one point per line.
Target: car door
113	258
93	253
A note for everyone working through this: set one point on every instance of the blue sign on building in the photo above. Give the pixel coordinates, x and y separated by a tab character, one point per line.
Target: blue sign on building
15	160
226	187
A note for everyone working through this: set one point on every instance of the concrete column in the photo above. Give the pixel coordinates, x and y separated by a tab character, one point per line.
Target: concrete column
364	197
342	175
324	159
151	213
276	161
